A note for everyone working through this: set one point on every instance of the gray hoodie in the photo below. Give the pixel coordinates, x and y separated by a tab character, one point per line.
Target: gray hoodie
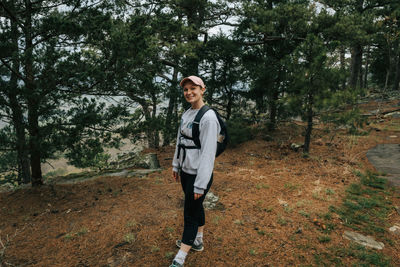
199	162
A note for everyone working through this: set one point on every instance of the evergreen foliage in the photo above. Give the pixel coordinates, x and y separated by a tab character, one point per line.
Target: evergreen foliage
77	76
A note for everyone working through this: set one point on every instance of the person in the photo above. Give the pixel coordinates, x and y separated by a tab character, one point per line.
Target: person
193	166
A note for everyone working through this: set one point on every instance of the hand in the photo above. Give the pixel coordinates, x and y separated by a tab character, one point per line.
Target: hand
197	196
175	175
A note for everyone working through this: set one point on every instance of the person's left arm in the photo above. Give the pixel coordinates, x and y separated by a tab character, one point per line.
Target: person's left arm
208	141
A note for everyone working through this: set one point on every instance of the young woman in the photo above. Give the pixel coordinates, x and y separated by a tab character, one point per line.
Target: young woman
193	166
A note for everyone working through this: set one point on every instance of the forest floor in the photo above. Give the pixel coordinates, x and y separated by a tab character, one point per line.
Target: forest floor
276	208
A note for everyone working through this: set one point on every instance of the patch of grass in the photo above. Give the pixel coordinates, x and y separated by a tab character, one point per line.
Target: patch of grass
304	213
69	236
261	232
268	209
155	249
158	180
288	209
253	252
169	254
291	187
262	186
363	256
282	221
329	191
302	203
324	238
365	208
82	231
170	229
130	238
327	216
131	224
238	222
55	173
216	219
318	196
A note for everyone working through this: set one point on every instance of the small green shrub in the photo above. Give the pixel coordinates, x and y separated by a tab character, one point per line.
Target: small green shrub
239	131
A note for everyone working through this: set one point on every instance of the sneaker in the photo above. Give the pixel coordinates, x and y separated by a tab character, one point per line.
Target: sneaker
175	264
194	247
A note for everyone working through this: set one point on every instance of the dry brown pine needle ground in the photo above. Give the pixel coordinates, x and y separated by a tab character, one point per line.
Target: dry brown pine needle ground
269	196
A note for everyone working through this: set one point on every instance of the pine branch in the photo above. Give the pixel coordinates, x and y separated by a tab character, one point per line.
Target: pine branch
12	70
12	16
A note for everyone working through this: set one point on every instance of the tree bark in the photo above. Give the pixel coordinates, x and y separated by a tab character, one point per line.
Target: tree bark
397	75
310	114
356	64
387	78
273	110
24	174
172	95
33	101
229	105
365	83
155	127
343	64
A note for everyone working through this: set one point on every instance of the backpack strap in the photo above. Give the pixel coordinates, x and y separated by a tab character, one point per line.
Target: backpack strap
196	125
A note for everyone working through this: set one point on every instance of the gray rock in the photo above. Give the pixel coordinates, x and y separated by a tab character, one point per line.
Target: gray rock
123	173
295	146
367	241
397	209
283	202
395	229
131	173
395	114
385	158
6	187
211	200
152	161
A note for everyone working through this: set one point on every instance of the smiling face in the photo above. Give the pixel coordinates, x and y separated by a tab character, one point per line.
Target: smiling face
193	94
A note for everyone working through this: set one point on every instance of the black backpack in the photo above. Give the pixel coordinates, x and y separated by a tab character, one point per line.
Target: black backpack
223	136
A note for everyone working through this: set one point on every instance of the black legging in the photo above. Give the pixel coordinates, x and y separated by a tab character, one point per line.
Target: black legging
193	211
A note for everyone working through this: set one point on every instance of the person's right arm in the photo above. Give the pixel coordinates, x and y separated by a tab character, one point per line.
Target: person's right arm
175	161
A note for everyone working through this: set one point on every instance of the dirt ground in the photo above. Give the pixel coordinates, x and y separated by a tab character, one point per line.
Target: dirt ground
269	196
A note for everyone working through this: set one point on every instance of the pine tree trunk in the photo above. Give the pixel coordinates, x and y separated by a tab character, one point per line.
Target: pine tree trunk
307	138
155	130
397	77
343	64
22	149
273	110
229	105
387	79
356	64
33	102
24	173
365	83
172	95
